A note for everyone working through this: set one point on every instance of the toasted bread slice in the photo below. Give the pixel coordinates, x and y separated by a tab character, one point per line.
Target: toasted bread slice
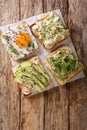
19	41
28	90
50	30
70	74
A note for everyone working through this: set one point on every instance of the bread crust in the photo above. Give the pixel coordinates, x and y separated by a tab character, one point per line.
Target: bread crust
67	35
21	59
71	75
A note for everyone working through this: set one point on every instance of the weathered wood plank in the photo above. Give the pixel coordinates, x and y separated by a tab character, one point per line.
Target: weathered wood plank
56	100
56	109
78	90
9	94
30	8
32	109
57	4
32	112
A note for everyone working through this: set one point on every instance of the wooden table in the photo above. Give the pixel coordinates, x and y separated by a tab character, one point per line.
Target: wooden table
62	108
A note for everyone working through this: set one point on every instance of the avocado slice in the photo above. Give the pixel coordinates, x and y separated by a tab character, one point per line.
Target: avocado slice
41	77
33	77
18	74
23	68
33	83
18	77
42	71
38	74
31	74
25	64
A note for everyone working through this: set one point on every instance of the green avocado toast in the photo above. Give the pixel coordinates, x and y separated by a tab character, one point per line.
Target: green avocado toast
31	75
63	64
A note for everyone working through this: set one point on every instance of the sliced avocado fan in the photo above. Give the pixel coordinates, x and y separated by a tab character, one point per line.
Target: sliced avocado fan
32	75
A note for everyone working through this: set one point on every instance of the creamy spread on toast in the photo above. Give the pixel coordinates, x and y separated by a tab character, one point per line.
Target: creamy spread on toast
18	41
50	29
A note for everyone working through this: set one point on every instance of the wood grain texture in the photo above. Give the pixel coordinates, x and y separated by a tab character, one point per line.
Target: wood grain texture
56	100
57	4
32	109
56	109
9	93
78	90
30	7
32	113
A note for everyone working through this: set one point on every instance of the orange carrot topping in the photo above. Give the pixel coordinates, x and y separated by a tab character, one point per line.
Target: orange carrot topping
23	39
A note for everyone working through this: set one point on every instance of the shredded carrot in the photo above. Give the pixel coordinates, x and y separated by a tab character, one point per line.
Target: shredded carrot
23	39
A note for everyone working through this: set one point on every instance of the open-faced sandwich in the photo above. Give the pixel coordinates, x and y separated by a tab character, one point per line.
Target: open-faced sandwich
19	41
31	76
63	64
50	30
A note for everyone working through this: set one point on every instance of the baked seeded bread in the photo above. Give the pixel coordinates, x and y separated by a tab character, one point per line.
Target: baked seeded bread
36	76
50	30
19	41
63	77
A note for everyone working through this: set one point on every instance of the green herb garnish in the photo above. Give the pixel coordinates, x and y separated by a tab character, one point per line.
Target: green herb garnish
63	63
31	45
13	50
